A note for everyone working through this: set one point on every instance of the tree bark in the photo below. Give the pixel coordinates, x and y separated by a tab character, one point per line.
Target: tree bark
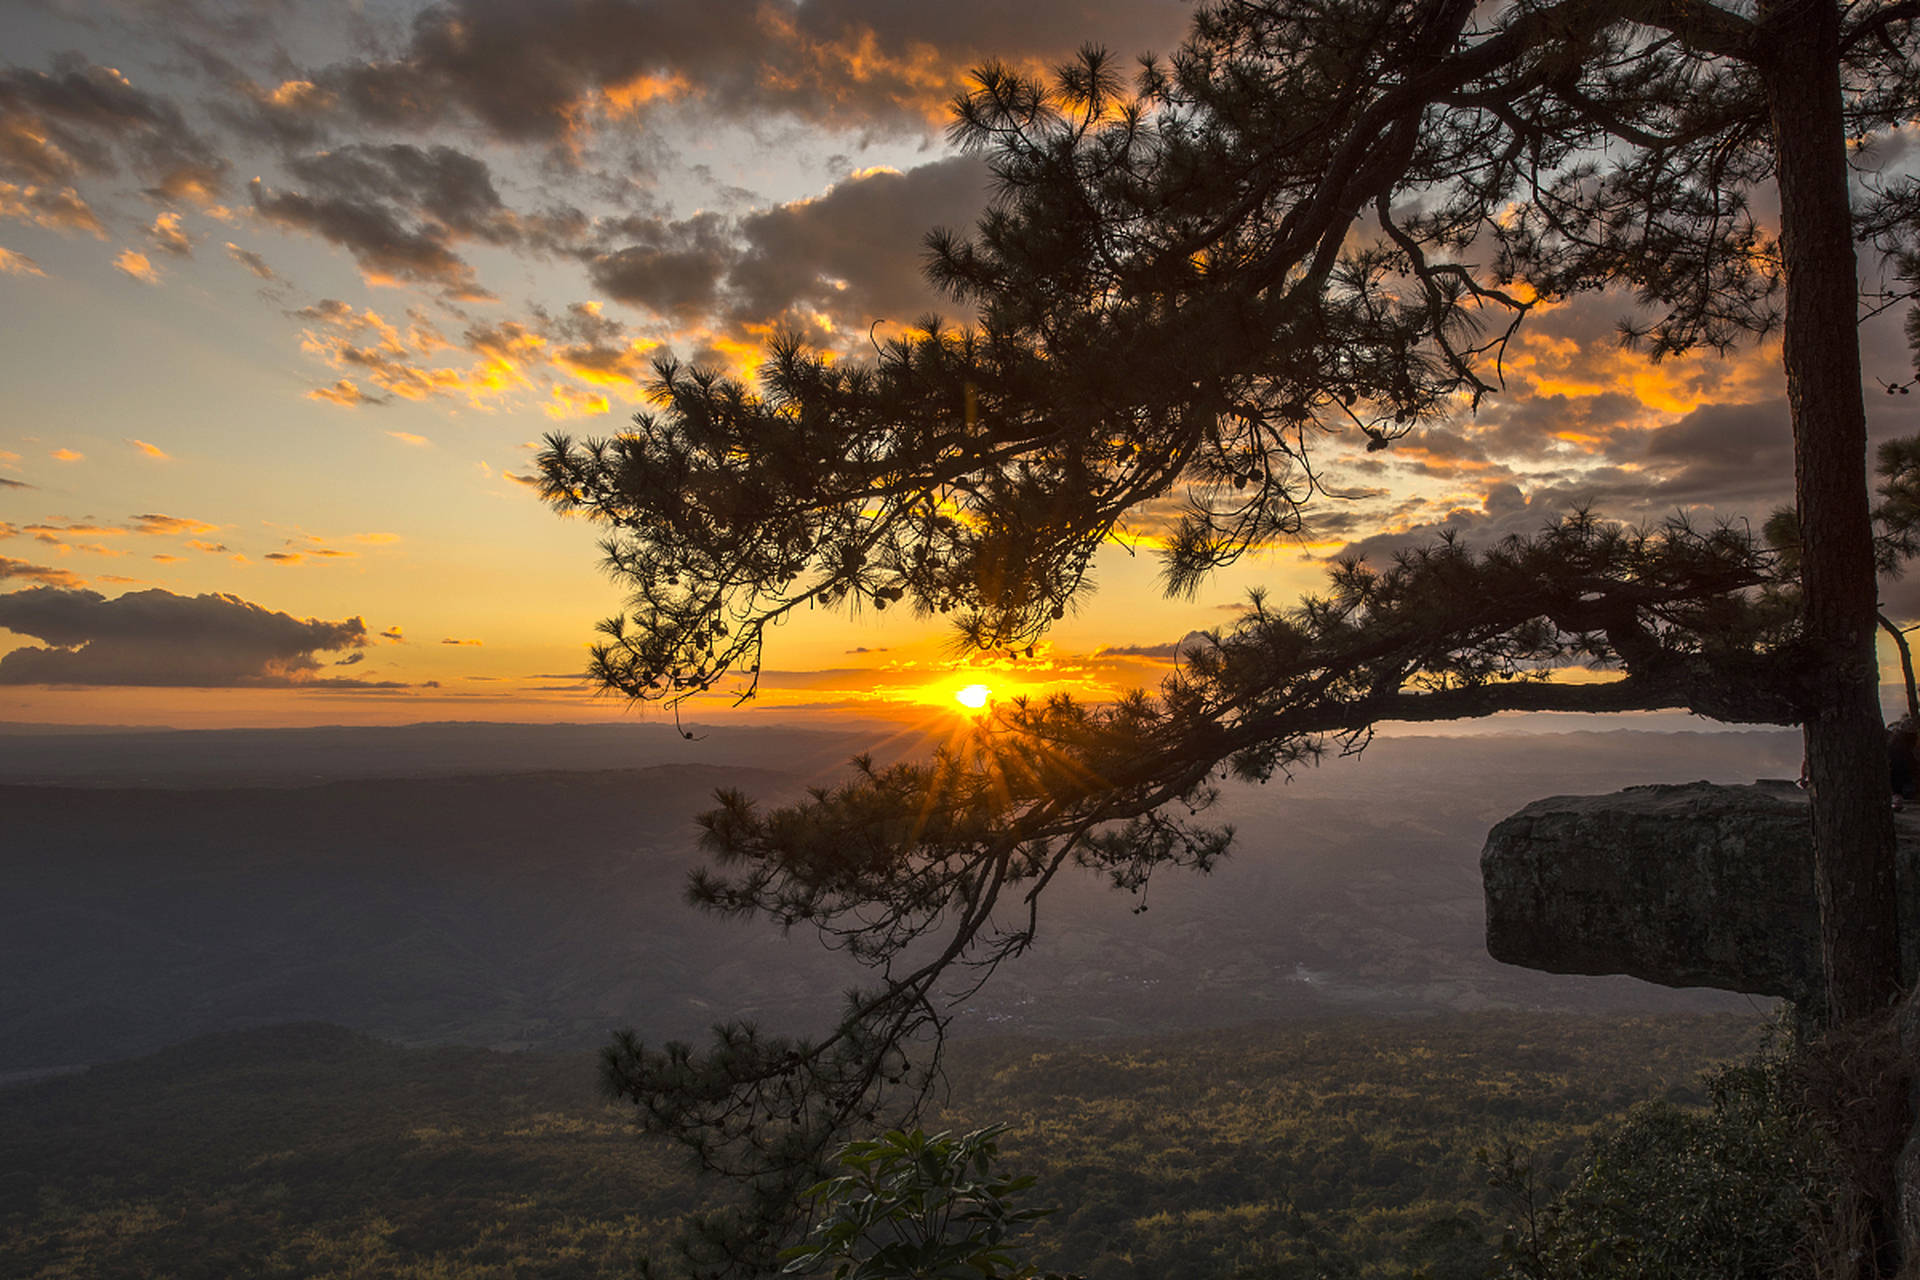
1845	738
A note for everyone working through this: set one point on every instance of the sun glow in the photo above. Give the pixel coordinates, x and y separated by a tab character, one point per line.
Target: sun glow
974	696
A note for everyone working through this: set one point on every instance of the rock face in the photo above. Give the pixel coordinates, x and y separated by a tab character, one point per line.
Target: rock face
1695	885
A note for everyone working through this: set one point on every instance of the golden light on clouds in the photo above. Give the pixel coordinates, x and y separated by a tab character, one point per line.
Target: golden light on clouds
19	264
627	97
137	266
572	402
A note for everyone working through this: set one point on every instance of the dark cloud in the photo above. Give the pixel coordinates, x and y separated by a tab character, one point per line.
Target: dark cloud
156	638
1164	652
1731	456
671	268
85	120
1505	510
351	202
852	255
1721	462
533	73
292	114
855	253
1731	462
15	484
400	210
453	189
1006	29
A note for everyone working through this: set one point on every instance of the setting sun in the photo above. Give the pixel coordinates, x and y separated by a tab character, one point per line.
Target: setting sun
974	696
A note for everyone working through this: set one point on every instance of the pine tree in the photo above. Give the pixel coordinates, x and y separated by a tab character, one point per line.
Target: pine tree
1317	215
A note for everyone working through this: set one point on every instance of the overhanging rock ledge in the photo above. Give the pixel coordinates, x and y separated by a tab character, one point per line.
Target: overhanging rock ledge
1691	885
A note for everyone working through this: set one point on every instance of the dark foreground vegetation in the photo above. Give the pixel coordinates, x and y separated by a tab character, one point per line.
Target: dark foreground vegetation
1341	1147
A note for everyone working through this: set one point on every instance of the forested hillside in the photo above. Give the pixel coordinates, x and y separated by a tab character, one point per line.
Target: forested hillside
1264	1150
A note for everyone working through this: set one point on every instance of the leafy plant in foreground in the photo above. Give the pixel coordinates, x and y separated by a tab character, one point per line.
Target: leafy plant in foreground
918	1207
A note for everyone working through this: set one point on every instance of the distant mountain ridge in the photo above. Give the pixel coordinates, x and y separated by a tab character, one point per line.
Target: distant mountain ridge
52	755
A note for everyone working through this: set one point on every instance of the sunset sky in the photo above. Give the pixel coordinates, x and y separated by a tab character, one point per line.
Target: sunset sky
289	292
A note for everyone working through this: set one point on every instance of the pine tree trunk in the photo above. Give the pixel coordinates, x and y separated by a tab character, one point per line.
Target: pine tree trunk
1846	746
1845	739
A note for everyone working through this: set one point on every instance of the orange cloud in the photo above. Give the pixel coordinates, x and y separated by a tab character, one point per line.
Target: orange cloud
42	574
303	96
168	237
67	455
61	210
345	394
170	526
19	264
854	68
627	97
571	402
407	437
151	450
56	533
137	266
474	643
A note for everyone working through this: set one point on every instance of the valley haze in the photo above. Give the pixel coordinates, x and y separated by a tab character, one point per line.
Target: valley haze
517	886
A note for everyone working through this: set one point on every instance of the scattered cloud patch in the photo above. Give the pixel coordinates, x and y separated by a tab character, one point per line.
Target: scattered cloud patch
167	237
151	450
19	264
251	261
39	573
156	525
138	266
56	210
80	120
345	394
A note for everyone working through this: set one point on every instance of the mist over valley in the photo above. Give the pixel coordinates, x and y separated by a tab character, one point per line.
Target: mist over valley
470	896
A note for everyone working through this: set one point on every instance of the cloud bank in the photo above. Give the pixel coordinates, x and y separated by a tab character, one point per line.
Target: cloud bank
156	638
